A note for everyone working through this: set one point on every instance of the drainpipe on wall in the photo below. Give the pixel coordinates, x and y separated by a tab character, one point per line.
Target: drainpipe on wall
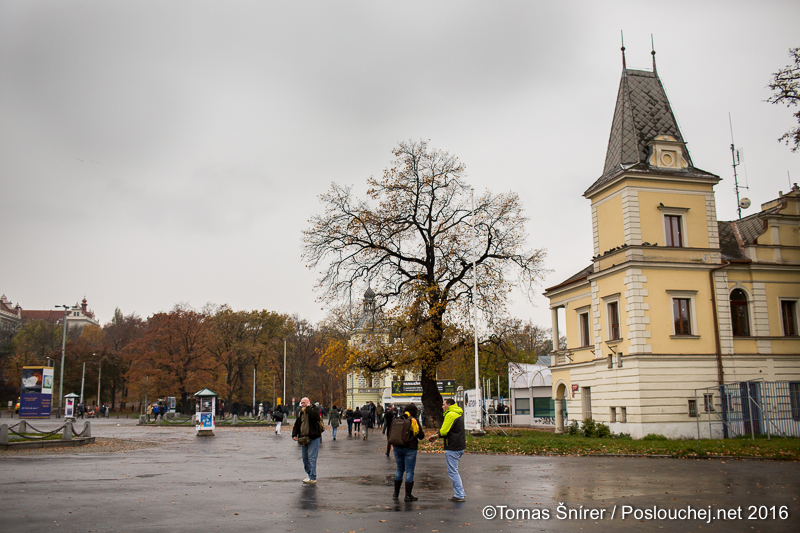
718	342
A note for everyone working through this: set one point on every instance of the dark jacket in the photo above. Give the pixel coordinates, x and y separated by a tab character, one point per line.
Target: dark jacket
388	417
358	415
414	444
455	438
313	423
349	415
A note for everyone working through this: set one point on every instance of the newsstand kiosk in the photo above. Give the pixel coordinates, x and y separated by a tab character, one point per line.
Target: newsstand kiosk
206	406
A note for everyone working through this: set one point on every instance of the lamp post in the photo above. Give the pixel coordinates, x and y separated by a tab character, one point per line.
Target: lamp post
63	351
475	317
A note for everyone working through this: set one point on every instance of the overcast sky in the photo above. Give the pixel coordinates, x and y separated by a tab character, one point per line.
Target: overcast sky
154	153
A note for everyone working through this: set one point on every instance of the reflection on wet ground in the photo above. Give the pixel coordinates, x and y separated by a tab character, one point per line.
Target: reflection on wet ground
249	479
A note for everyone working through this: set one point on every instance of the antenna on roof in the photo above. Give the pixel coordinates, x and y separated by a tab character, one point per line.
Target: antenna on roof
653	53
622	39
744	202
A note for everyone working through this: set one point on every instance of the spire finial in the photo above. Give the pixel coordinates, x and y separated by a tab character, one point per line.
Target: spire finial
653	53
622	39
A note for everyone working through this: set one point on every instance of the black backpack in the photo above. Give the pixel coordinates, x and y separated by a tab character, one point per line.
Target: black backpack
400	432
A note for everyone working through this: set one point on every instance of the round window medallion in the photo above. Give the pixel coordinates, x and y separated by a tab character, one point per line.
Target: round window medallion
667	159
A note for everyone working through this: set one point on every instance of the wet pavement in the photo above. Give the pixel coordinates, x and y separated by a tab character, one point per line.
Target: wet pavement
249	479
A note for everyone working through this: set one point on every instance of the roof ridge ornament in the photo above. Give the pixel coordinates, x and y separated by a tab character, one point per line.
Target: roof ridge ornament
622	39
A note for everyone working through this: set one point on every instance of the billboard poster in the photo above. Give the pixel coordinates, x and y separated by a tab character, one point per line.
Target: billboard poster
206	421
36	392
472	409
414	388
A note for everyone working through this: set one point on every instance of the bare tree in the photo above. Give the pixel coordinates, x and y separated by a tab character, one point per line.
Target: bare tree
786	84
414	250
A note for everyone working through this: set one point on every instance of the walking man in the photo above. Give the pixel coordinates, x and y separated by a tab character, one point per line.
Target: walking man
455	442
307	431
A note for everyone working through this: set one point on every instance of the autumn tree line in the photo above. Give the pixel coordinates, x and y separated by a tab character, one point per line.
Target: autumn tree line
179	352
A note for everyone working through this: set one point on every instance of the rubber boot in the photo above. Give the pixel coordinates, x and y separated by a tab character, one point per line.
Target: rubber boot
410	497
397	483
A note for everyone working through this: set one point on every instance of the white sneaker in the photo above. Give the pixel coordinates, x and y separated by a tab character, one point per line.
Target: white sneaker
308	481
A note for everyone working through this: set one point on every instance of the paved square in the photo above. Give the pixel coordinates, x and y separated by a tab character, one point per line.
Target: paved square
249	479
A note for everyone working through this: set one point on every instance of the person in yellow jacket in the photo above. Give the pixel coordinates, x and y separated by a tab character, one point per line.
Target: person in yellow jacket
455	443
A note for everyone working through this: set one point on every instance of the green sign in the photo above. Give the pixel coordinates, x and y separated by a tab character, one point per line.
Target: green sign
414	388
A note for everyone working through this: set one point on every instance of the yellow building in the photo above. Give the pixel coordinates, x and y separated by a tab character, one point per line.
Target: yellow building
375	387
676	303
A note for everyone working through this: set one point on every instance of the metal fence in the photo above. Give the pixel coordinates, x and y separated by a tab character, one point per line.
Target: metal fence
751	408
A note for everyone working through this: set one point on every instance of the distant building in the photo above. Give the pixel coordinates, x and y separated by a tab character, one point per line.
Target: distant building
531	394
682	325
13	316
389	386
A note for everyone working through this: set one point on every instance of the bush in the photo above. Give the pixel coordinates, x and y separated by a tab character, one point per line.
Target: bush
602	431
573	428
589	428
654	436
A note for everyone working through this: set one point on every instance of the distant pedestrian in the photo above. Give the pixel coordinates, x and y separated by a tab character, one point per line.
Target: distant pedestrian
357	417
405	450
379	414
307	431
387	422
334	419
149	412
455	443
349	414
277	416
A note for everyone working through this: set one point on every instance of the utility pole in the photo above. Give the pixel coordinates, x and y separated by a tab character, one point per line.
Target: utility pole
475	316
83	380
284	372
63	351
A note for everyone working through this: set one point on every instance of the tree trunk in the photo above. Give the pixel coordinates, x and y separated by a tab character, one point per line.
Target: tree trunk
431	399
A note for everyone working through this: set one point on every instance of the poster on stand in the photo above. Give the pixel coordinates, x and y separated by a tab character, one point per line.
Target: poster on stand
472	410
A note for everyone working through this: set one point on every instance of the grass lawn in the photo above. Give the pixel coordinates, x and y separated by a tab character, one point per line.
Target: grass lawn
533	442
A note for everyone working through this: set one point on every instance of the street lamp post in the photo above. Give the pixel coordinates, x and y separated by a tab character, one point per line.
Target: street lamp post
63	351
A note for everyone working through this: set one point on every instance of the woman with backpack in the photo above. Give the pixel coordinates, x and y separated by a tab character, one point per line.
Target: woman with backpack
405	434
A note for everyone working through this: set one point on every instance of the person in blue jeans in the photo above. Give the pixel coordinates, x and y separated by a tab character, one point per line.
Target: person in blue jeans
307	431
455	443
406	456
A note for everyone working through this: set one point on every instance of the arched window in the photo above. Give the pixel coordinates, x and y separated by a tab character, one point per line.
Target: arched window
740	314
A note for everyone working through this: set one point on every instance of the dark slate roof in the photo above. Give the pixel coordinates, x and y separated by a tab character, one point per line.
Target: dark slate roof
641	114
734	235
583	274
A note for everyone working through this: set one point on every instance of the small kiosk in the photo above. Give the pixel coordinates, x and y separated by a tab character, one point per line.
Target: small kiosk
69	405
206	406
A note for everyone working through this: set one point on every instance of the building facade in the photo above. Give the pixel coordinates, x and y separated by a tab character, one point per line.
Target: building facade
13	316
675	304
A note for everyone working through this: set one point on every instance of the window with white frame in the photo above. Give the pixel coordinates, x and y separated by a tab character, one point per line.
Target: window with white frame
583	327
693	408
674	226
684	319
789	317
586	402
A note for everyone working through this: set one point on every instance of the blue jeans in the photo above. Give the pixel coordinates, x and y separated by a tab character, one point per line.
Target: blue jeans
333	430
349	426
406	459
310	457
452	458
